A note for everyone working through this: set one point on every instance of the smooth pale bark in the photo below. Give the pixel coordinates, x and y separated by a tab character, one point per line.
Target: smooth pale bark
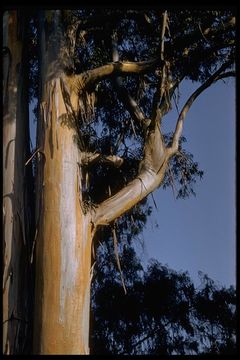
64	227
151	174
129	196
63	245
16	241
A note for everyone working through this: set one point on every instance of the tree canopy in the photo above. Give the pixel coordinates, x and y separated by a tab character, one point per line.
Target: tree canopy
162	313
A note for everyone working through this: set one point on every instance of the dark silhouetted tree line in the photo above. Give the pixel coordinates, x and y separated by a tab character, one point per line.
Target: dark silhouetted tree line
163	311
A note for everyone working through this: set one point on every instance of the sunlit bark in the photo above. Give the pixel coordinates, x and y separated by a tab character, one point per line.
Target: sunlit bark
63	245
65	231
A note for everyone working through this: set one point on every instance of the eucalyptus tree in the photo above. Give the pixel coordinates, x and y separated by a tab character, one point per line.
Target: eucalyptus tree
107	78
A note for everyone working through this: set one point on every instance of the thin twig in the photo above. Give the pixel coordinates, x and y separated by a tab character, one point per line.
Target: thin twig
115	244
154	201
35	152
172	181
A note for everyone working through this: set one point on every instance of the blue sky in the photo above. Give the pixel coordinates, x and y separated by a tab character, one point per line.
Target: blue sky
199	233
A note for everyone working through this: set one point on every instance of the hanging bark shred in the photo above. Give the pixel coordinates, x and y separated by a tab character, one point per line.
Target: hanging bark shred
115	243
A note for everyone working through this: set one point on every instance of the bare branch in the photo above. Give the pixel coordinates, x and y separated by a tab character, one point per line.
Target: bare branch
91	77
179	126
158	96
226	75
33	154
92	158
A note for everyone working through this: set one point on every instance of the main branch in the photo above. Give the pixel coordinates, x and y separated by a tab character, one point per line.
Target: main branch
129	196
89	78
151	173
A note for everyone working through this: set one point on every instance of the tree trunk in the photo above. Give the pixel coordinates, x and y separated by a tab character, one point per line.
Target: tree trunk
64	229
16	241
63	246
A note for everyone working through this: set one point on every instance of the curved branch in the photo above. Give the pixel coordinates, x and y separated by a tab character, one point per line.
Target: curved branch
179	126
129	196
226	75
120	68
151	174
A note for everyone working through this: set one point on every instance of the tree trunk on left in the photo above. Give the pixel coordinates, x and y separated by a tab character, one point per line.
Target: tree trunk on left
16	211
65	231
